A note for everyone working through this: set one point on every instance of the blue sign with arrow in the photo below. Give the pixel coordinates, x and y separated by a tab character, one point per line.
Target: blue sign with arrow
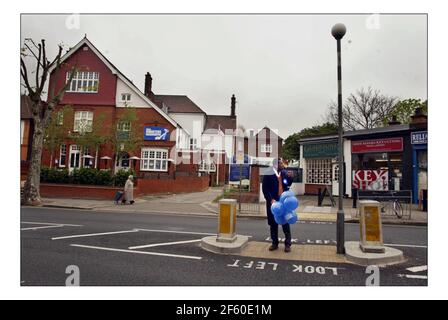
156	134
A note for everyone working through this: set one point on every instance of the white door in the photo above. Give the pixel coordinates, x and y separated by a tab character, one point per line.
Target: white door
335	179
74	157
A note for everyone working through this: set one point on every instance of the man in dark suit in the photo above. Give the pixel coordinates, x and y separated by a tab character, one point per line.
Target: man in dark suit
275	183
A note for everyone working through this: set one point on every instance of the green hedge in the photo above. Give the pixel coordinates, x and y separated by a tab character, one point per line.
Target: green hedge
87	176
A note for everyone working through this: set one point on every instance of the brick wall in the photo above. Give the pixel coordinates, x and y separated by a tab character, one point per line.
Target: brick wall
80	191
178	185
142	187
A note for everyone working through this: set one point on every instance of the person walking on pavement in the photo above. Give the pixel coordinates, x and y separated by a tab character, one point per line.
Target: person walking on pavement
274	184
129	190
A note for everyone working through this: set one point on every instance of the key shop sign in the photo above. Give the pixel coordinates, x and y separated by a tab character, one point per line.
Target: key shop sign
378	145
371	180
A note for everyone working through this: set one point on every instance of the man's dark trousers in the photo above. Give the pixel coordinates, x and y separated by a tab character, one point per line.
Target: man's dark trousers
274	228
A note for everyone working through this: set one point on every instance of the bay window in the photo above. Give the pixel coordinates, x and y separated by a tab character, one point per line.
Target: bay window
154	160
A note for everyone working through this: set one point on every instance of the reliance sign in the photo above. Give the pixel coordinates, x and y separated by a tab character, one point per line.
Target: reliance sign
377	145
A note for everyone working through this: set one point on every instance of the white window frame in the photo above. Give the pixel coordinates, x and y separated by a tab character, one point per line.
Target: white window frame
124	126
193	144
125	97
84	82
266	148
83	121
60	118
62	152
205	166
149	155
86	152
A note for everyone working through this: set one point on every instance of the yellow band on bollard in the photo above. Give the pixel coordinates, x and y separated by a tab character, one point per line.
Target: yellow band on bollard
371	229
227	220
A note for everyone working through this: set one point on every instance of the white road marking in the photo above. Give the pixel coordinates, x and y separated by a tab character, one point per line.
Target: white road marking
412	276
406	246
94	234
137	252
179	232
50	224
163	244
38	228
418	269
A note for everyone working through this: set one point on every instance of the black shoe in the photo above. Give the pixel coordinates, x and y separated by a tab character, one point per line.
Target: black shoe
273	247
287	248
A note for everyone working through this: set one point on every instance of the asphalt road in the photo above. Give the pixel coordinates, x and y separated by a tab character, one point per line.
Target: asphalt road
123	249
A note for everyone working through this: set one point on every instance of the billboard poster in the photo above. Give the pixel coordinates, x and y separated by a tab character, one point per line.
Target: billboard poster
377	180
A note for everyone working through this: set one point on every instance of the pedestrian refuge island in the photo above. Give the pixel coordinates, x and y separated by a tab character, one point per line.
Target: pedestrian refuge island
370	250
226	241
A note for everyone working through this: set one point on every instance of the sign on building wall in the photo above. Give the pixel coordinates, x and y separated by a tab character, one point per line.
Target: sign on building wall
420	137
378	145
156	134
371	180
234	175
320	150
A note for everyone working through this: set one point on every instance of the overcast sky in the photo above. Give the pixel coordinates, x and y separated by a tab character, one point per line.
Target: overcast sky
282	68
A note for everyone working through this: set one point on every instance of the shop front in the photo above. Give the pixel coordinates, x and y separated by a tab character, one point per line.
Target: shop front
419	142
318	161
381	164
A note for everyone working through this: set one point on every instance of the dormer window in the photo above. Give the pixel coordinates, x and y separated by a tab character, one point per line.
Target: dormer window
84	82
125	97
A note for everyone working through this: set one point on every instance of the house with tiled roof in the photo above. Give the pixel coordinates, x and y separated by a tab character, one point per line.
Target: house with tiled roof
98	90
263	145
211	137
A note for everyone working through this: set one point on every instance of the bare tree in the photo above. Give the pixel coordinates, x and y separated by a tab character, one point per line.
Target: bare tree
366	109
41	110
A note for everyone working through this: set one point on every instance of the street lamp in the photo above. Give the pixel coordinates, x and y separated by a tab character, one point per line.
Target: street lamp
338	31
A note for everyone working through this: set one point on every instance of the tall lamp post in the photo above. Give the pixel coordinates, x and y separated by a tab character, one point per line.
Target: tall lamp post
338	31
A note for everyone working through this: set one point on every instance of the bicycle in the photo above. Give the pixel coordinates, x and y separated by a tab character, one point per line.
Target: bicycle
397	207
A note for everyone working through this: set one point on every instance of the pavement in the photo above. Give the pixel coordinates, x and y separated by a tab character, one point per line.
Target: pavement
201	203
111	248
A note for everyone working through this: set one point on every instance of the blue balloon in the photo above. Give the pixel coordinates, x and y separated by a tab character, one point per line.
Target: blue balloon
280	220
291	217
277	209
286	195
291	204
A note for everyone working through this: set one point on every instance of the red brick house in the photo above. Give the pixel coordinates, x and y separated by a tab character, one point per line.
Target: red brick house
99	90
263	146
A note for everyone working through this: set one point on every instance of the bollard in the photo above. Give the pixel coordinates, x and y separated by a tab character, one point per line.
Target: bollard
227	220
355	197
371	228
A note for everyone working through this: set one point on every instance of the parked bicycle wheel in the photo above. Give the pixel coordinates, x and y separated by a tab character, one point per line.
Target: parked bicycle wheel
398	209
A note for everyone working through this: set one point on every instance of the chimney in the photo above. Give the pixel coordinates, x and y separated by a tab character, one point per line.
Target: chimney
148	86
419	117
232	106
394	121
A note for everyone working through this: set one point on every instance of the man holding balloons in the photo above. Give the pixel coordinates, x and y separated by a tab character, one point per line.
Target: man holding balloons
280	203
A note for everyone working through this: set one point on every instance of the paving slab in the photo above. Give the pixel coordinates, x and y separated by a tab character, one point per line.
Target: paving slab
313	253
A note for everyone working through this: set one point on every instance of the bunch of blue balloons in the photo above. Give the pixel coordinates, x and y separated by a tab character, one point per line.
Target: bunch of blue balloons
284	210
